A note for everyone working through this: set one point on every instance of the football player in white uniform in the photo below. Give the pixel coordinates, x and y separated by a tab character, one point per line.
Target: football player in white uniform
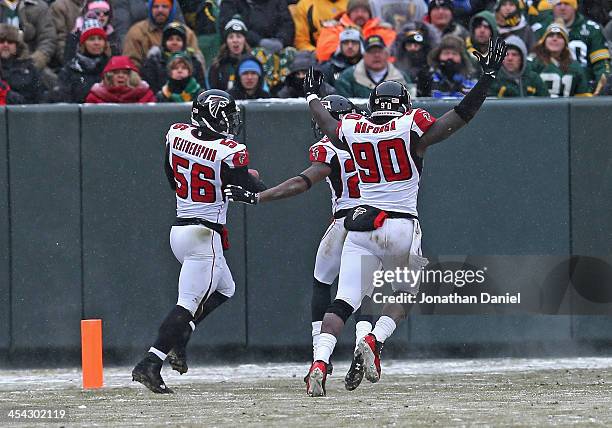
200	160
338	169
384	231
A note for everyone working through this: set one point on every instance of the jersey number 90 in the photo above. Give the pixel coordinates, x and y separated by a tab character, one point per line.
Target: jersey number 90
368	162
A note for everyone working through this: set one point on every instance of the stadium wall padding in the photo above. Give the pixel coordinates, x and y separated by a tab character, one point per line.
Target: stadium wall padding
90	212
45	169
5	288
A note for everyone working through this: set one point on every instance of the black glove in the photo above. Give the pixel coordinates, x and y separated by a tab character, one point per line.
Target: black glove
312	82
238	194
492	62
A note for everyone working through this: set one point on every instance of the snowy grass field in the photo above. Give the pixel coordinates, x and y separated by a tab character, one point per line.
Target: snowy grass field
484	392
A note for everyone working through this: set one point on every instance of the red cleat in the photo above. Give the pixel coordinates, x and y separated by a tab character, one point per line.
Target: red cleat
369	351
315	382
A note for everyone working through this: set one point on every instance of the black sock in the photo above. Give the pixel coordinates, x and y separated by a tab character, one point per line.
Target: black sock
321	297
213	302
173	327
364	313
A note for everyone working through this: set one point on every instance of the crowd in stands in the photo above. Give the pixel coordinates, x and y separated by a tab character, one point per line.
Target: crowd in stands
140	51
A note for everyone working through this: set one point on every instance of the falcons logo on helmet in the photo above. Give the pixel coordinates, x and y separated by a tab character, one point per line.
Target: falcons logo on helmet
216	103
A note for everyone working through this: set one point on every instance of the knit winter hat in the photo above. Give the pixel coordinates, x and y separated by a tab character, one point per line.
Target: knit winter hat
572	3
249	65
91	27
9	33
180	57
235	25
440	3
354	4
172	29
555	28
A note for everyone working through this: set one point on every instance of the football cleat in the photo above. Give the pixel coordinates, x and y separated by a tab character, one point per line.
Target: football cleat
317	375
369	349
354	376
147	372
330	369
177	357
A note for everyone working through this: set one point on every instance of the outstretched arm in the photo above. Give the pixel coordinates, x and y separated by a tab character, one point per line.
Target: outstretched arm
328	125
461	114
291	187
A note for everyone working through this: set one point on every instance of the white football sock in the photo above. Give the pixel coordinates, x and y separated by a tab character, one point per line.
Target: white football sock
157	352
361	329
316	331
325	347
385	326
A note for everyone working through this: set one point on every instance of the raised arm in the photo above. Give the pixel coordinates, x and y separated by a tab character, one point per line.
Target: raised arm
328	125
453	120
291	187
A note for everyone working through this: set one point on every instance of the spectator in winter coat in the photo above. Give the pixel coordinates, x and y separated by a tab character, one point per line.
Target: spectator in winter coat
553	61
441	17
359	80
222	71
249	81
511	21
155	68
202	17
515	79
33	18
77	77
349	53
269	21
181	86
96	9
399	12
310	16
120	84
358	15
128	12
411	48
18	70
451	73
587	42
147	33
294	83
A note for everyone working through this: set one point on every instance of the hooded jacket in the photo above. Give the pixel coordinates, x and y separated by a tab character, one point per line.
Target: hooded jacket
524	83
145	34
101	93
329	37
238	91
293	88
470	44
410	63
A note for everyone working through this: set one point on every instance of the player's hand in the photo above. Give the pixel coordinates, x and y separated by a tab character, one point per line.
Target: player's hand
492	61
312	82
238	194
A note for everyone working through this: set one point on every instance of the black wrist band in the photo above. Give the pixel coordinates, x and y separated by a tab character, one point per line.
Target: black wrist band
306	179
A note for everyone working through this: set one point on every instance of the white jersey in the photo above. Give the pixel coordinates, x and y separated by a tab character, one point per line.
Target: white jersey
197	168
385	159
343	180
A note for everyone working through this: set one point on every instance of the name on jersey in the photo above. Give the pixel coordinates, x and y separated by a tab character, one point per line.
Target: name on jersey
194	149
366	127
